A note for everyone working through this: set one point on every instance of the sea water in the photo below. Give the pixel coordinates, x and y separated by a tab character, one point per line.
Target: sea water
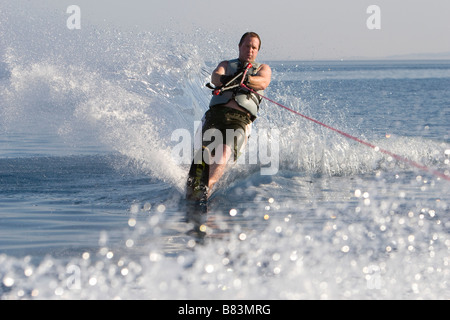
92	198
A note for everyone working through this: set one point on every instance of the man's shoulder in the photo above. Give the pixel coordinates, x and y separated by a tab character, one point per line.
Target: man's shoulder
263	66
224	63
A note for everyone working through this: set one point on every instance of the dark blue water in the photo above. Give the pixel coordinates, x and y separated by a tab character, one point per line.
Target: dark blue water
376	95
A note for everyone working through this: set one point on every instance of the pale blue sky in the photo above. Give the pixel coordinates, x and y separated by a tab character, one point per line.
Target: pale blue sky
319	29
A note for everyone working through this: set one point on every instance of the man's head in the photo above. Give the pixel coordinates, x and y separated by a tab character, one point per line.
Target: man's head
249	47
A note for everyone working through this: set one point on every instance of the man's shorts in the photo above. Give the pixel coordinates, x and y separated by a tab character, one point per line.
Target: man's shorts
230	125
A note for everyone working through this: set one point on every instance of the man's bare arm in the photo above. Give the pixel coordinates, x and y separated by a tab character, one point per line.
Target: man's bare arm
258	82
262	79
218	72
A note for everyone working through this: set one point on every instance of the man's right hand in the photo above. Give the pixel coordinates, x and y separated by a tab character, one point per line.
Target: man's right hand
225	79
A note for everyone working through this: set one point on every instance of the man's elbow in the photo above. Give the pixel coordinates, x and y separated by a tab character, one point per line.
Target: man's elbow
262	85
266	84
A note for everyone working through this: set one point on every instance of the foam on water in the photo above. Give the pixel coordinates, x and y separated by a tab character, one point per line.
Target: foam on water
121	96
339	220
377	247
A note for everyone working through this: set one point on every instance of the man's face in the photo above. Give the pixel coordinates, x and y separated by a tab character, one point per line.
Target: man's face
248	50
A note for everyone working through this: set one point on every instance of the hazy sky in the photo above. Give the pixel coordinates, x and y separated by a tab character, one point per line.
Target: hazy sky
315	29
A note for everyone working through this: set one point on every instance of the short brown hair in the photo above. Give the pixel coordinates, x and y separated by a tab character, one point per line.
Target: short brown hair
251	34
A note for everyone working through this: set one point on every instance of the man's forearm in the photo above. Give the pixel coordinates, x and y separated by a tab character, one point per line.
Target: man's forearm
215	79
258	82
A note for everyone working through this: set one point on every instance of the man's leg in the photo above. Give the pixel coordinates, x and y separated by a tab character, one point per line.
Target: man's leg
236	140
217	168
197	182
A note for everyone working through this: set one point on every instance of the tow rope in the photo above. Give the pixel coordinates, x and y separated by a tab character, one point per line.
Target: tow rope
395	156
231	84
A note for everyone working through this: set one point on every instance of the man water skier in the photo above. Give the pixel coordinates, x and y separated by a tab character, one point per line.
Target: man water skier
232	110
